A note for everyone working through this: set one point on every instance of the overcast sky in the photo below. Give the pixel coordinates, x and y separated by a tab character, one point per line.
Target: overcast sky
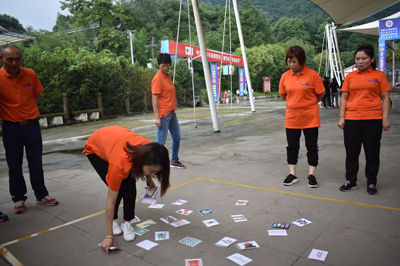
40	14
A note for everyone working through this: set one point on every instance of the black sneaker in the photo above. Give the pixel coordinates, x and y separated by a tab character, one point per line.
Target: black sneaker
290	180
371	189
347	186
312	181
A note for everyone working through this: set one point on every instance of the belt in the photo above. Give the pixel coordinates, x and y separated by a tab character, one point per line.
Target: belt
23	123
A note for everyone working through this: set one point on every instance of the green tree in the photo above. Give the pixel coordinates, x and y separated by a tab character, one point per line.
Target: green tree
287	28
11	24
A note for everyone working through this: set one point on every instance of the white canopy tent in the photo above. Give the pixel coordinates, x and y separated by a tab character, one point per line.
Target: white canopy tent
371	28
345	12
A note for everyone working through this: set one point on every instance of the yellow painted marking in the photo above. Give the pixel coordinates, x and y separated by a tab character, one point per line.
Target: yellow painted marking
9	257
303	195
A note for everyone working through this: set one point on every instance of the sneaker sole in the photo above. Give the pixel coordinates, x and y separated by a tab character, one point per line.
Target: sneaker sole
173	166
130	240
346	190
18	212
42	203
289	184
312	186
117	234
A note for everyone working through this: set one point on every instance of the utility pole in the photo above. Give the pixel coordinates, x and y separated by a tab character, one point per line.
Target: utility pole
152	46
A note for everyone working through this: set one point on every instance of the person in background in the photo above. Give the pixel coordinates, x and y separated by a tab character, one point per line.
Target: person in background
122	157
335	95
302	89
164	106
20	91
363	112
226	97
327	97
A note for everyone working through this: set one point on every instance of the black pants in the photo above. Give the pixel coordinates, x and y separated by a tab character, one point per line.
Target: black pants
367	133
293	145
327	99
127	190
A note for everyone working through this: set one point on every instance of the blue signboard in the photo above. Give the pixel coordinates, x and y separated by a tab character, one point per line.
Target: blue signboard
242	81
214	79
389	29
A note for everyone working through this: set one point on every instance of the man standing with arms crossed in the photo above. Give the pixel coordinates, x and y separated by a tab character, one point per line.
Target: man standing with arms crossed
20	91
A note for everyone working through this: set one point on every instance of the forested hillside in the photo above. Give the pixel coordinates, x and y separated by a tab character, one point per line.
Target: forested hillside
98	60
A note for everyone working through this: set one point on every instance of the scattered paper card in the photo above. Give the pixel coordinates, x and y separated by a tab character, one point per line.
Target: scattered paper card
247	245
156	206
277	232
205	211
184	211
169	219
194	262
190	241
147	244
140	231
150	199
110	247
280	225
146	223
239	259
238	218
180	223
179	202
301	222
161	235
211	222
317	254
226	242
242	202
135	220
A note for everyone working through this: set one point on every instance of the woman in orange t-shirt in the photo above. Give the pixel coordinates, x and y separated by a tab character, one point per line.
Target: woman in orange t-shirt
121	157
302	89
164	106
364	111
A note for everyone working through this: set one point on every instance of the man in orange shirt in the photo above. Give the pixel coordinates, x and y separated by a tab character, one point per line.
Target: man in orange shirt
20	91
164	106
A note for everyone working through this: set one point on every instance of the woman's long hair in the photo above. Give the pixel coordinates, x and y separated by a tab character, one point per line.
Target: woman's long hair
150	154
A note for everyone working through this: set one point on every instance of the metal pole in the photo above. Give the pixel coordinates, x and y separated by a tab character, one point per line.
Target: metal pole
246	67
130	39
206	67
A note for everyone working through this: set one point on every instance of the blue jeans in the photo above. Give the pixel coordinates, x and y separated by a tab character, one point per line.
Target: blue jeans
15	138
170	122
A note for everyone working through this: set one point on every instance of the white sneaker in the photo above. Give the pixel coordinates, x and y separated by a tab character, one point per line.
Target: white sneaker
116	229
127	229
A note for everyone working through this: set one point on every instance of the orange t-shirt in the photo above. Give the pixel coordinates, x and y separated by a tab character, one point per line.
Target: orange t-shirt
108	143
301	98
364	90
17	98
163	87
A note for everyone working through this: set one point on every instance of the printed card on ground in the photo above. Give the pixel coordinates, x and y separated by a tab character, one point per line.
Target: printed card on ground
180	223
280	225
146	223
194	262
317	254
301	222
238	218
210	222
205	212
156	206
135	220
179	202
226	242
247	245
140	231
239	259
242	202
280	232
184	211
190	241
168	219
161	235
147	244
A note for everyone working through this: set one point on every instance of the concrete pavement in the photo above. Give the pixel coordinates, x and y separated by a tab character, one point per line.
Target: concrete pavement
246	160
